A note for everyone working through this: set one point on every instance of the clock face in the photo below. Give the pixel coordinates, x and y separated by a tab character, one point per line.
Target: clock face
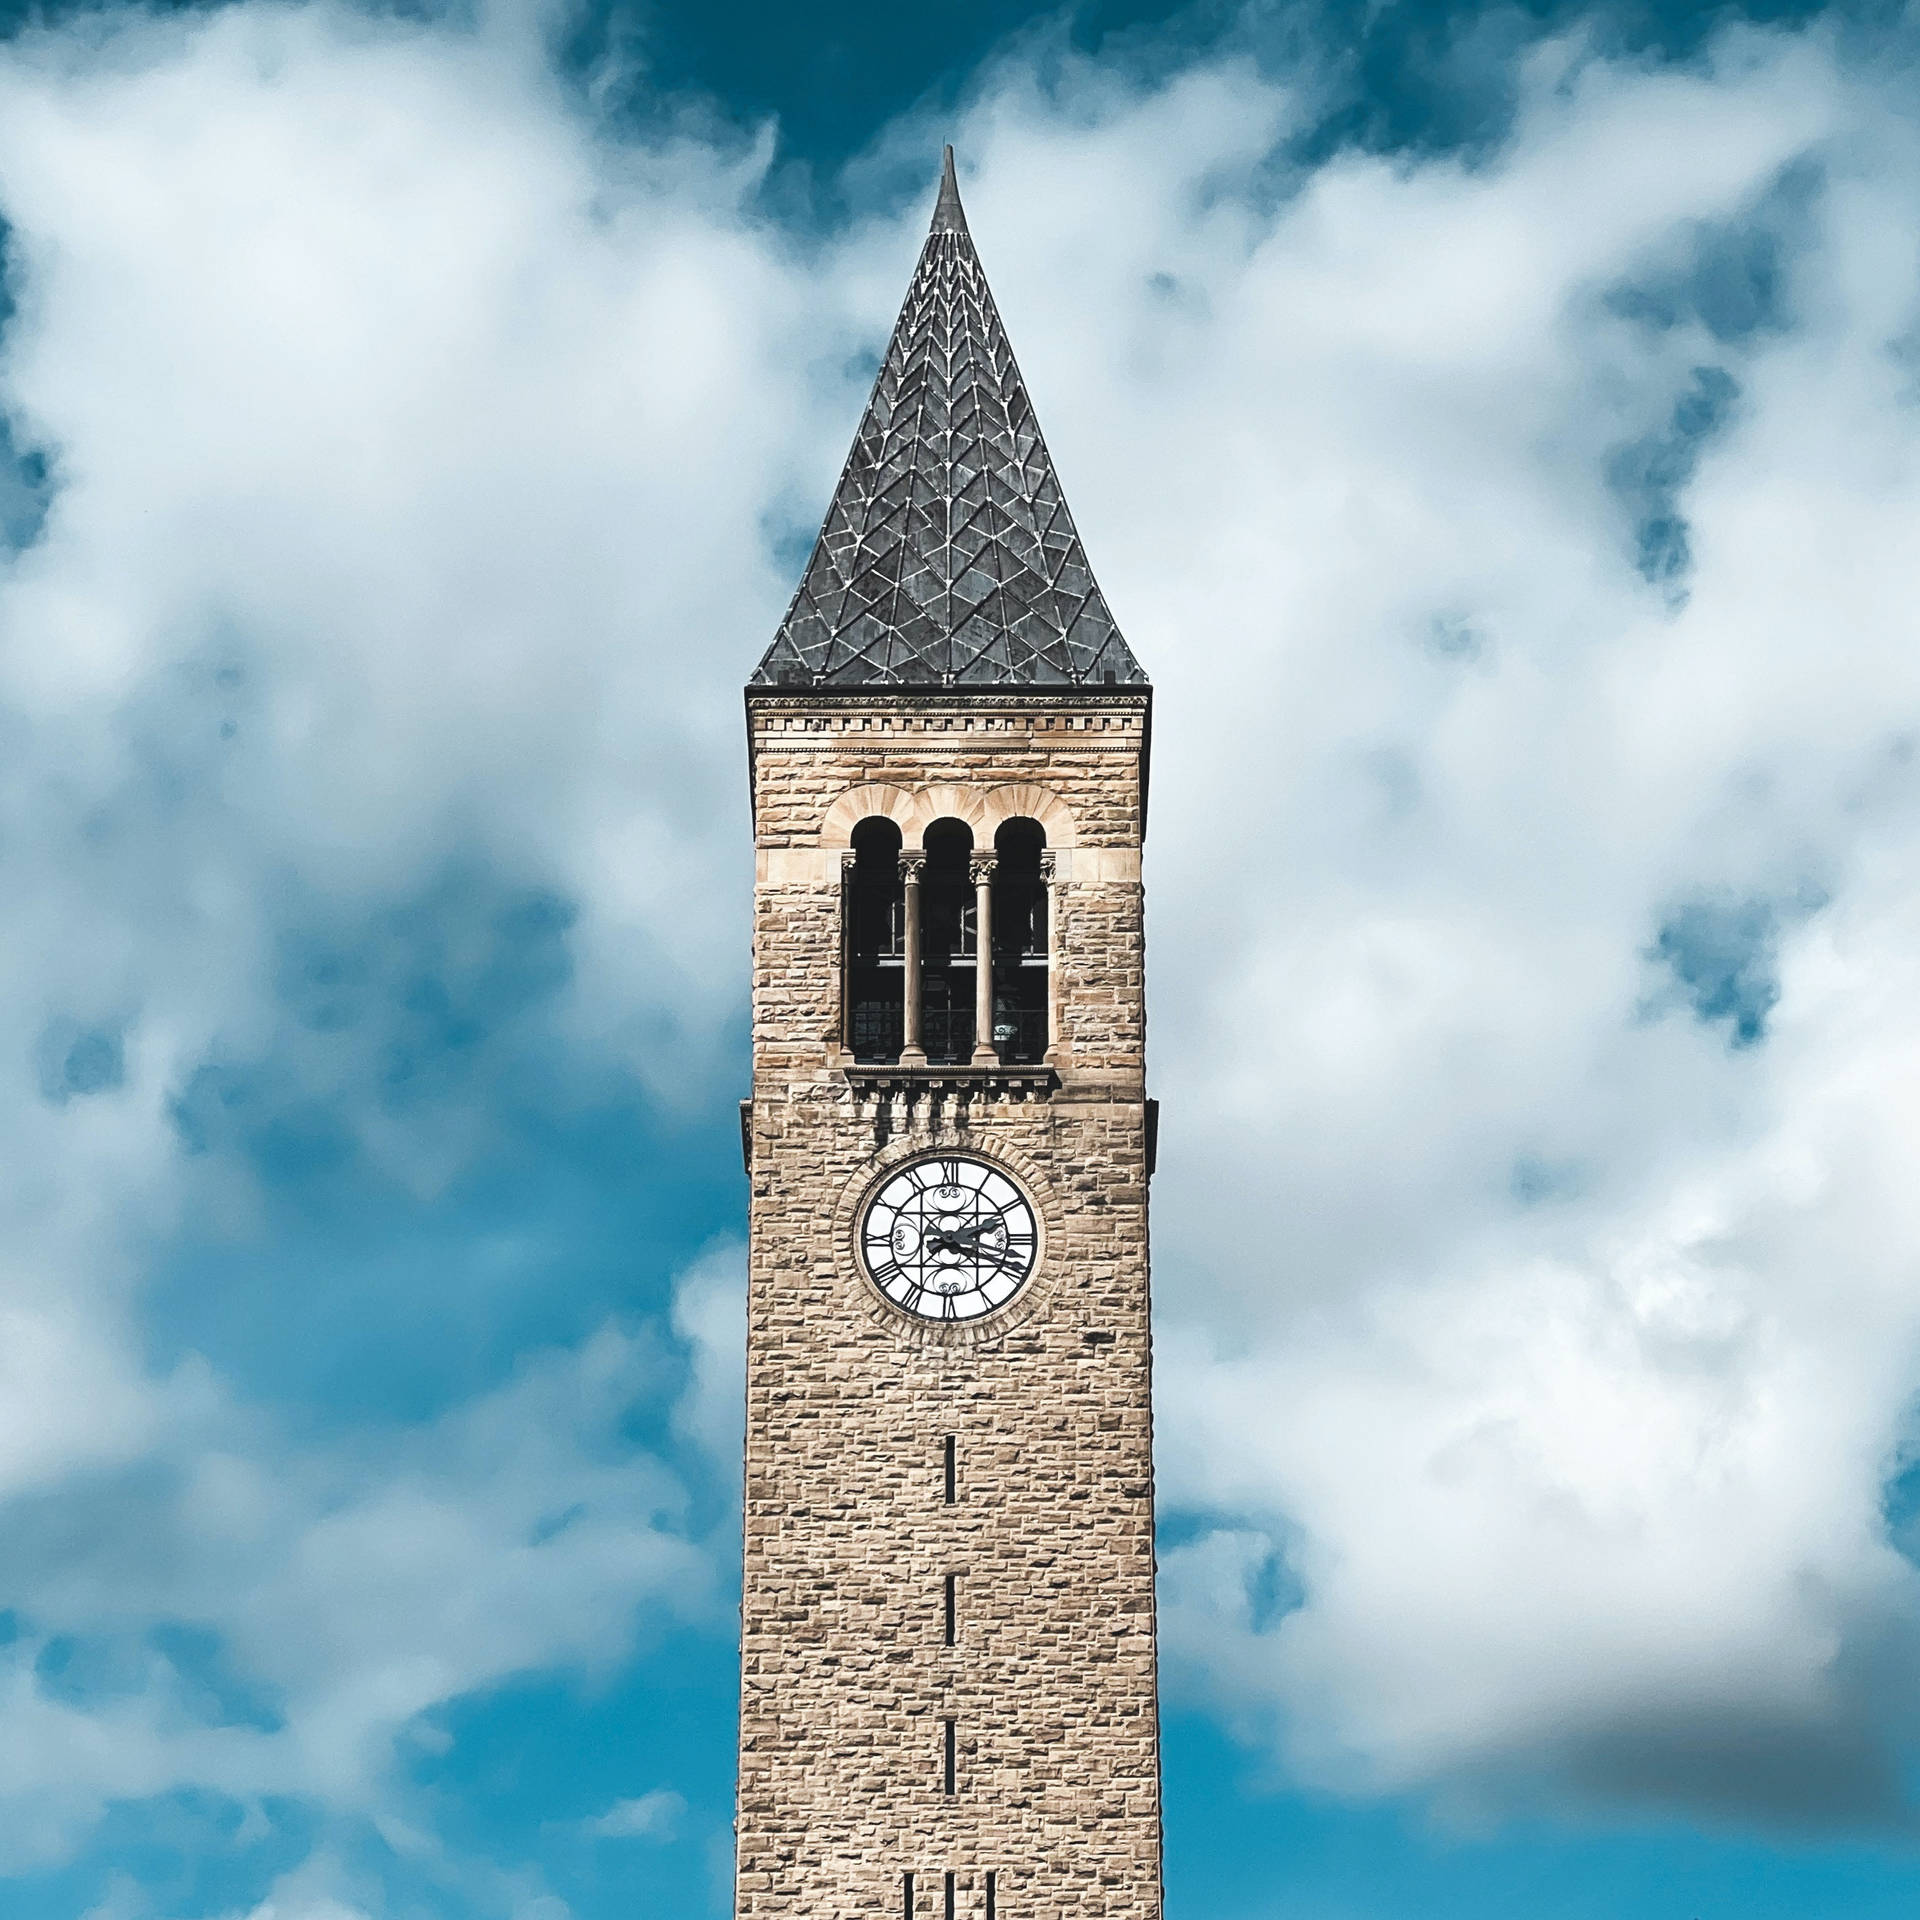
949	1238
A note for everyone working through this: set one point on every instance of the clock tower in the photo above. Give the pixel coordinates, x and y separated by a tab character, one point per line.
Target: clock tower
948	1700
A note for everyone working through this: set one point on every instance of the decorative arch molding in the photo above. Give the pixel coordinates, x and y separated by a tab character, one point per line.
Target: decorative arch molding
984	809
948	803
861	803
1028	802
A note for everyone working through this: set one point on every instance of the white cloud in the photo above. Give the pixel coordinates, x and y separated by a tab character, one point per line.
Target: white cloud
1558	1349
300	1908
652	1816
315	1890
401	442
710	1314
417	453
353	1589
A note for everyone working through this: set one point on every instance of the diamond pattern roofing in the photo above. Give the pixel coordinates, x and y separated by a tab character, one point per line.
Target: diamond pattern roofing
948	557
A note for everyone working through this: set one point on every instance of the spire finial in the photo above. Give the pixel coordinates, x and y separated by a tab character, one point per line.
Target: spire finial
948	216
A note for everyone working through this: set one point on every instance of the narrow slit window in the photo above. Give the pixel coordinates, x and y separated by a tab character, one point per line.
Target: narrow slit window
953	1597
993	1895
952	1463
906	1896
949	1894
950	1754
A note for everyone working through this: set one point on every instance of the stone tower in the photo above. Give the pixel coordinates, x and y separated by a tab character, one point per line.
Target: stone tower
948	1692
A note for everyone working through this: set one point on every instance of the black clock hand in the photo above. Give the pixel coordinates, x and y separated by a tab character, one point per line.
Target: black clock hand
941	1241
944	1243
972	1233
1001	1262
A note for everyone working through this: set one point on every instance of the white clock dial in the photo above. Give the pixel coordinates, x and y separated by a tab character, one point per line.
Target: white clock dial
949	1238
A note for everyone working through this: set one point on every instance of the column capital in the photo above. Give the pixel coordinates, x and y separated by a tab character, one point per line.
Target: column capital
912	865
1046	864
982	867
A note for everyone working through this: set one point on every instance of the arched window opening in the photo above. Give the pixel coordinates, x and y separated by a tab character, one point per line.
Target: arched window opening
1019	943
876	943
948	947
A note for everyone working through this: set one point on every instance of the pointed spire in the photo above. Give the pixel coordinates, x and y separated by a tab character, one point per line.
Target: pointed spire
948	557
948	214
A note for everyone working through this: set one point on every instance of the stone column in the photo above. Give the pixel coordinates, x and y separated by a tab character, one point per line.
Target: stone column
981	866
912	1053
1055	1055
844	1038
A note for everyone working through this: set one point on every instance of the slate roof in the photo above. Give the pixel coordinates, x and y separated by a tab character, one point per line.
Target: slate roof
948	557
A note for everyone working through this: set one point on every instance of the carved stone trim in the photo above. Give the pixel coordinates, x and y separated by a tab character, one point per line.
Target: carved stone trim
931	746
940	702
911	1082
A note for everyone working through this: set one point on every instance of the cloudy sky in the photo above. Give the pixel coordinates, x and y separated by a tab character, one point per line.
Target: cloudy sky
1498	432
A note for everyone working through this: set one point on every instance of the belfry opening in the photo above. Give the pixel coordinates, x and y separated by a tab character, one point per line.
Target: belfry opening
1019	942
876	943
949	945
945	955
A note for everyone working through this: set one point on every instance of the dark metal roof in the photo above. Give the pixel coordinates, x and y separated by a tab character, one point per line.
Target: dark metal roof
948	557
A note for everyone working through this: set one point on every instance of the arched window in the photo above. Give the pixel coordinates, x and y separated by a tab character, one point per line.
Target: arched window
948	948
1019	943
875	943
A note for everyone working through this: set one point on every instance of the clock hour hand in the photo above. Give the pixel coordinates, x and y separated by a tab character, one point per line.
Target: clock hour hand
938	1240
970	1234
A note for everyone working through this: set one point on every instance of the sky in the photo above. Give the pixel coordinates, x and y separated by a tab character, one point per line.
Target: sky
1497	431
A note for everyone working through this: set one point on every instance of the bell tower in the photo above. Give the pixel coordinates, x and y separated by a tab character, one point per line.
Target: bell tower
948	1706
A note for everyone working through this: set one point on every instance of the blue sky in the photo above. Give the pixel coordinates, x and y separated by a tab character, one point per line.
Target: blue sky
1495	430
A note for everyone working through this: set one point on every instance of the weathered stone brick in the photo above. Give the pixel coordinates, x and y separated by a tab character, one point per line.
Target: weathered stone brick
846	1678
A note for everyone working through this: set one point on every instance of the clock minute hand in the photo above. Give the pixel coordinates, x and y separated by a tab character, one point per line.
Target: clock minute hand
995	1259
992	1263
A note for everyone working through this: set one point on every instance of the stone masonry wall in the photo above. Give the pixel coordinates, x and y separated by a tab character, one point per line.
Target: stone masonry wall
847	1679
